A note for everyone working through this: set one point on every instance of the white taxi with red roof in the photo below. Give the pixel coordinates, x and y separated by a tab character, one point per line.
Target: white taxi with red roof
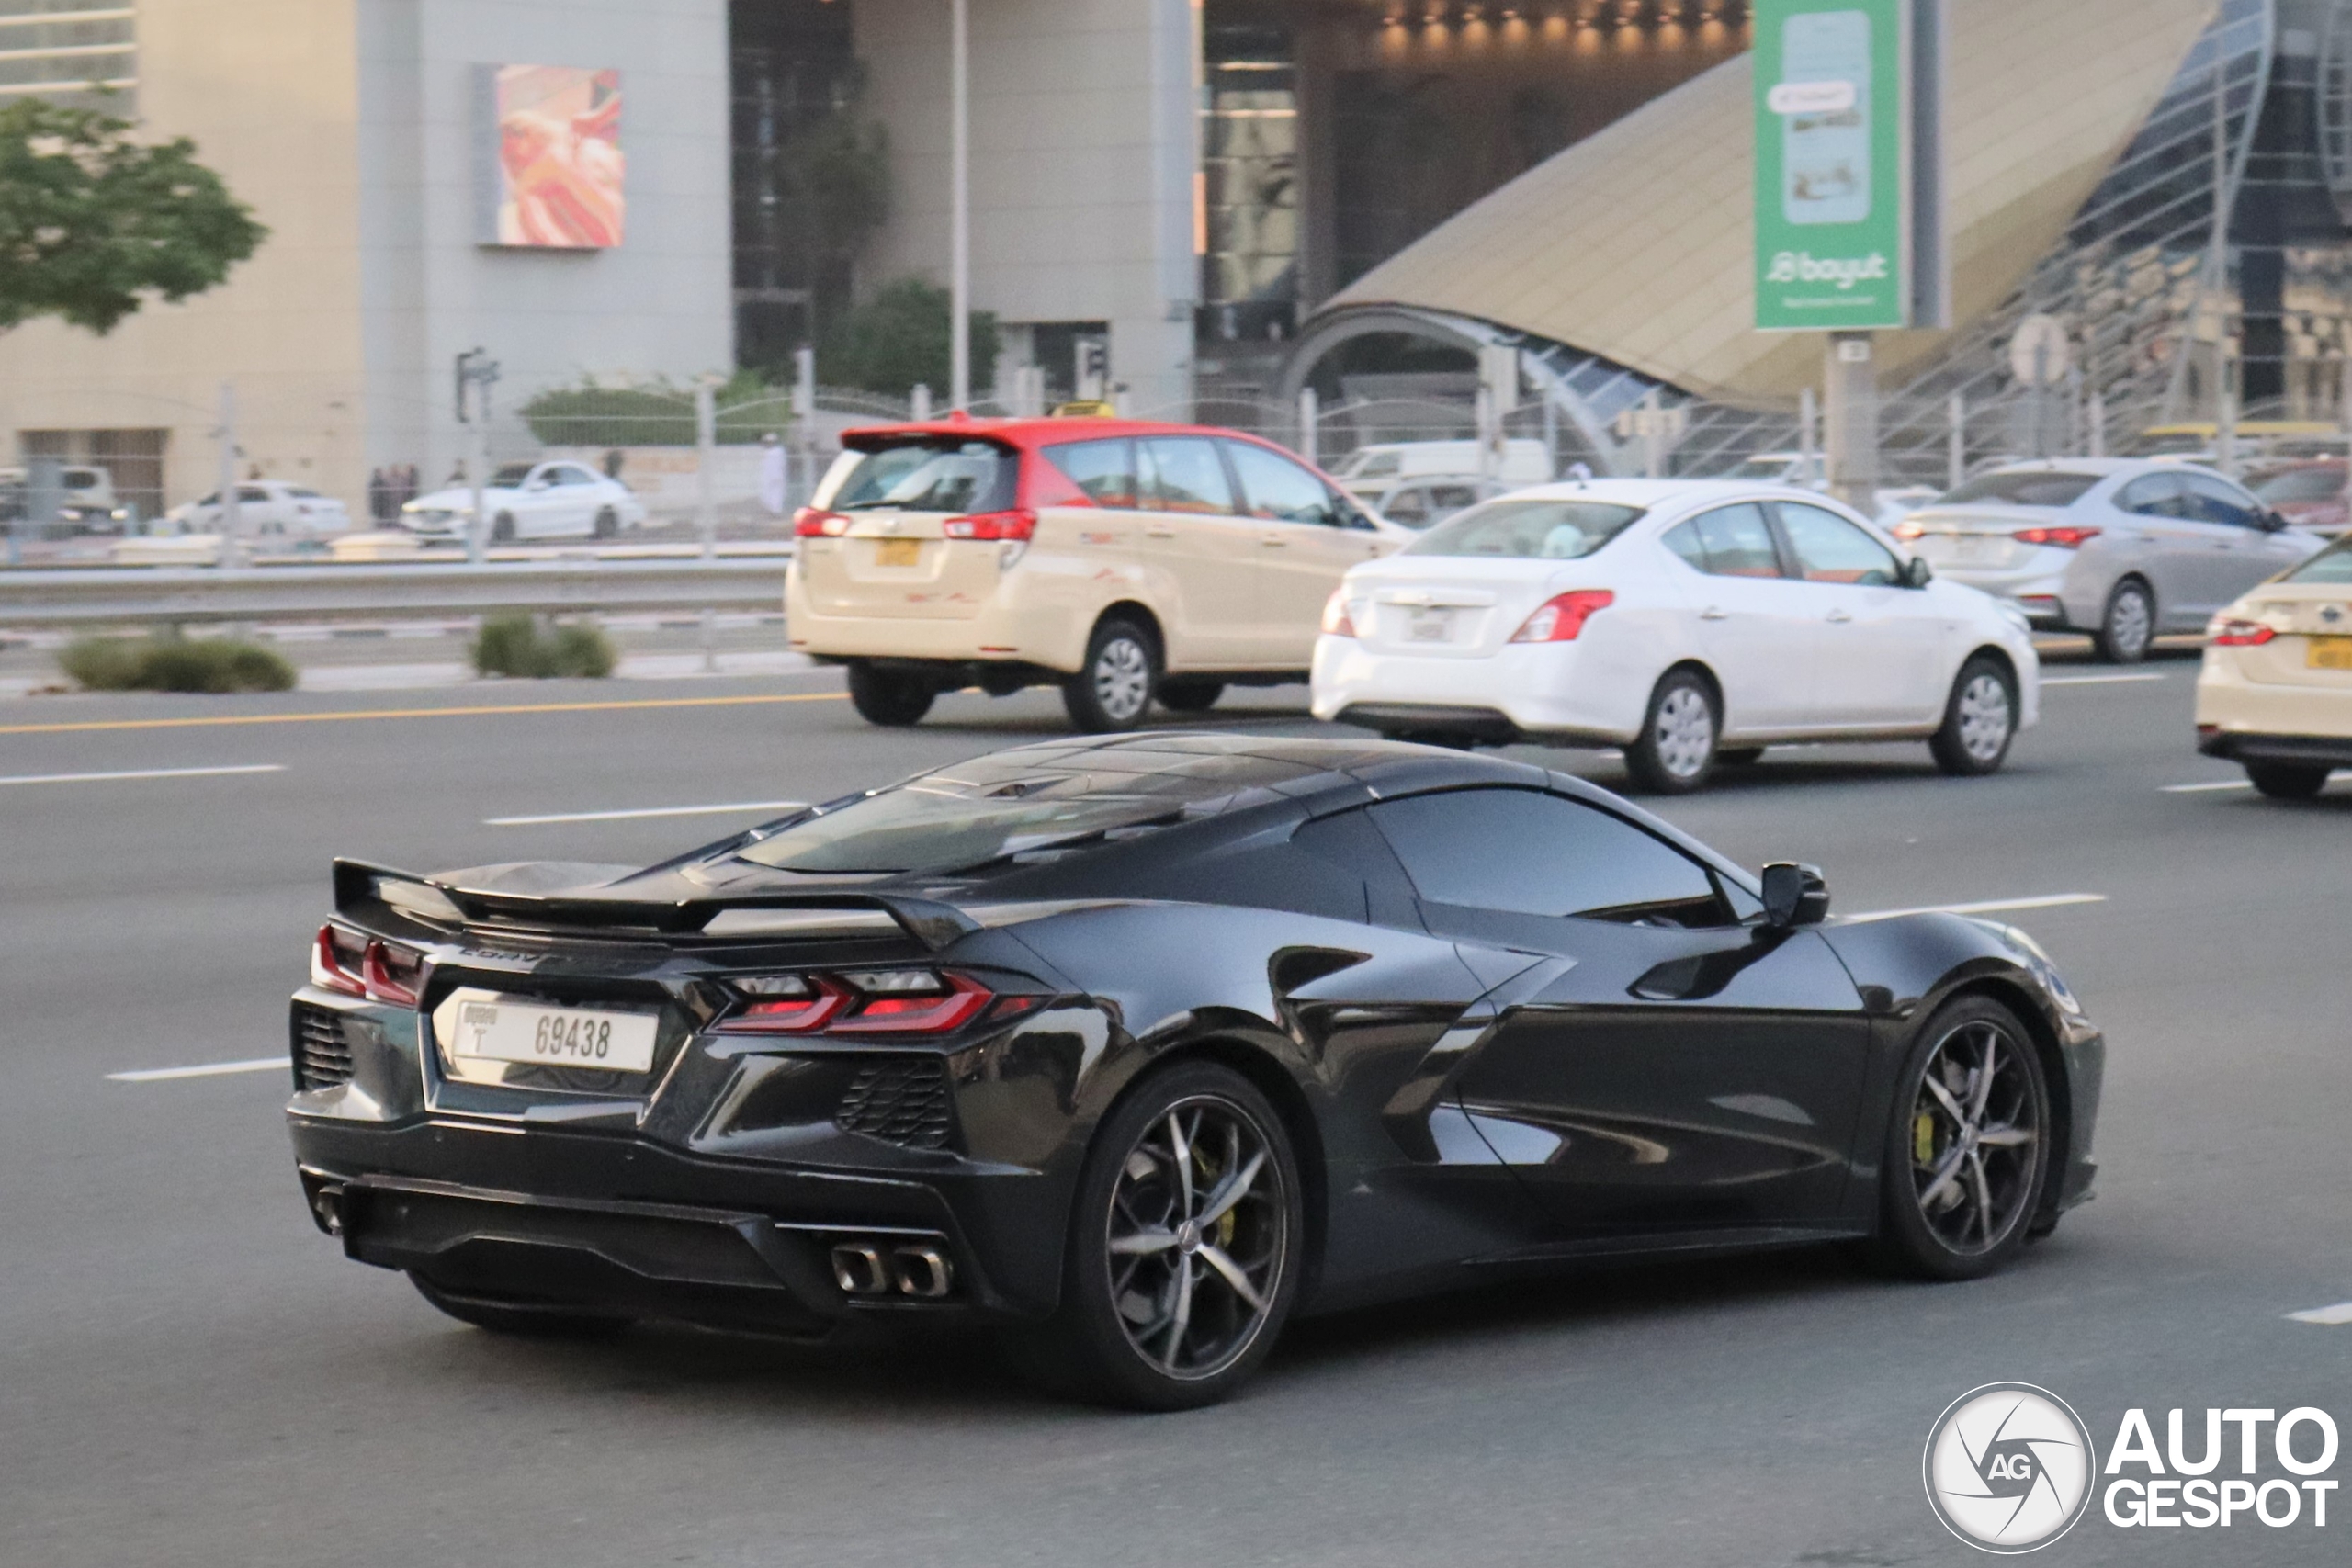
1685	621
1120	560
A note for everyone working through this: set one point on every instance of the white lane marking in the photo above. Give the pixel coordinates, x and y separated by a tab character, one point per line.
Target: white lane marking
648	811
2095	680
209	1070
2047	901
144	773
2201	788
2340	1312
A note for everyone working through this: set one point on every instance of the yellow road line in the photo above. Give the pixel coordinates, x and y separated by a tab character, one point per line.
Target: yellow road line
420	712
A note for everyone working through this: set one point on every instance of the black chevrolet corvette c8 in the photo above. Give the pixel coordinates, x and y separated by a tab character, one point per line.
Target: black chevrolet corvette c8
1138	1046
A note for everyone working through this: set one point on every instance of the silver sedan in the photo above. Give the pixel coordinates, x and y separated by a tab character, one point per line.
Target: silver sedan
2121	549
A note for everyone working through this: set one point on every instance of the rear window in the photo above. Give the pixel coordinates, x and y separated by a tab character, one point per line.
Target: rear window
2300	484
2038	488
1527	530
922	474
2332	564
1020	802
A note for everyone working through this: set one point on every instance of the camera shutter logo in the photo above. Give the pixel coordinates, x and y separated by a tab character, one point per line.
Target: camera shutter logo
2009	1467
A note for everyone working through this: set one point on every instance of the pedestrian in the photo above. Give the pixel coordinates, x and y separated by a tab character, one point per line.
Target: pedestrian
773	473
379	497
613	460
407	488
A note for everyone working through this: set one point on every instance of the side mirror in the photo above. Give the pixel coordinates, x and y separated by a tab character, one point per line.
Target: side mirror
1794	894
2273	520
1917	574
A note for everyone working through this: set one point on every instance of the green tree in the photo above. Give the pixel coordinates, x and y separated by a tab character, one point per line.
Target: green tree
93	222
899	339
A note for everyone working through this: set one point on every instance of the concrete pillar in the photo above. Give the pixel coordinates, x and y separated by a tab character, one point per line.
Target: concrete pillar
1850	375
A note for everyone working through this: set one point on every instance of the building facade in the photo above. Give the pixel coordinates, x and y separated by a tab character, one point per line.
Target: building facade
365	134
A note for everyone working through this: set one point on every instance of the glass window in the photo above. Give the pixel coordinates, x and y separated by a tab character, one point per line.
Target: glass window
1277	489
1447	500
2155	495
1527	530
1738	542
2034	487
298	493
568	474
1684	541
922	474
507	476
2292	485
252	495
1367	464
1830	549
1016	801
2332	564
2217	501
1106	470
1184	473
1530	854
1408	507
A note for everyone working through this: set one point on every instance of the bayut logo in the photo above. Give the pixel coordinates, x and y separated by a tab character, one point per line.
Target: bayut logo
1791	266
2009	1467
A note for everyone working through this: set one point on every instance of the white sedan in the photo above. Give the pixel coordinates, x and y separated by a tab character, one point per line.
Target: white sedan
1689	622
554	500
267	510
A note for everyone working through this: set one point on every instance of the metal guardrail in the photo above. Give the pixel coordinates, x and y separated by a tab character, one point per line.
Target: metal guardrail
167	596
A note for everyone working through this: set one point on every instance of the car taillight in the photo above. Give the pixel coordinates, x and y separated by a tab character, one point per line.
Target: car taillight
2227	633
887	1001
1336	621
1908	530
1562	618
2064	538
1016	525
810	522
366	967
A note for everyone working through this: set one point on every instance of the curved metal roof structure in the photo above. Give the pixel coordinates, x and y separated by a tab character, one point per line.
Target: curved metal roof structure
1633	246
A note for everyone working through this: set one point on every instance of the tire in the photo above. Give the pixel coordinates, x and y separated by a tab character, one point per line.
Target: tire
526	1322
1740	757
501	528
2288	780
891	699
1117	1336
1980	721
608	523
1113	691
1190	696
1676	750
1940	1184
2128	626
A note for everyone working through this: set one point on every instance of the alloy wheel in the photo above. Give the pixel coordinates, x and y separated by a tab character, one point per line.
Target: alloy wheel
1199	1237
1984	716
1685	732
1975	1126
1123	679
2131	624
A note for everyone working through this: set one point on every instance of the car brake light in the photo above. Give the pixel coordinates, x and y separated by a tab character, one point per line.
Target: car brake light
2064	538
810	522
784	1004
1336	621
1908	530
1562	618
365	967
952	1001
2227	633
1016	525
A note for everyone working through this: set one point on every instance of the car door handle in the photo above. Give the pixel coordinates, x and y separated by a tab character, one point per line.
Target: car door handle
1840	616
1272	542
1159	533
1715	613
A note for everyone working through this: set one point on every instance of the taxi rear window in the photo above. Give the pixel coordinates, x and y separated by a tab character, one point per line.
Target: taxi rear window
920	473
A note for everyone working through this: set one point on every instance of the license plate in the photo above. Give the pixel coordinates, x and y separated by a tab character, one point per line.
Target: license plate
488	1028
2328	653
897	552
1431	626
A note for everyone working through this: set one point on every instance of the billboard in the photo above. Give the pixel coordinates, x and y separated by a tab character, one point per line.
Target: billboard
548	165
1848	236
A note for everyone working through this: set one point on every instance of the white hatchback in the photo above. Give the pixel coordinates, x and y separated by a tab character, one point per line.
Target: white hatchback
1687	622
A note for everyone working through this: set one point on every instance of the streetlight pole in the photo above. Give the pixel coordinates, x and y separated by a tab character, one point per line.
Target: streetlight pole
959	222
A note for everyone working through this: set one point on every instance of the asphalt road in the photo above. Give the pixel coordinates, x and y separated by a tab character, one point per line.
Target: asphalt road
190	1375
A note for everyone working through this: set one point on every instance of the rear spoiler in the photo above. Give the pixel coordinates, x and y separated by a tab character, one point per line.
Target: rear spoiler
364	891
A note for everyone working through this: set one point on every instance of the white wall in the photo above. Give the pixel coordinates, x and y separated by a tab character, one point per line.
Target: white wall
1083	153
658	305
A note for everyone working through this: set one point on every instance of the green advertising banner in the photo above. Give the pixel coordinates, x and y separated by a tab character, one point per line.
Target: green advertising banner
1833	165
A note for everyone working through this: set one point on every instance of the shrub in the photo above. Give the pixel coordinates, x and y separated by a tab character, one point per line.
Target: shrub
519	646
170	663
899	339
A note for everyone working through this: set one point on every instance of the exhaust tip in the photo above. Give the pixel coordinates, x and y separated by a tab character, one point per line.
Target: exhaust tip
920	1271
859	1270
